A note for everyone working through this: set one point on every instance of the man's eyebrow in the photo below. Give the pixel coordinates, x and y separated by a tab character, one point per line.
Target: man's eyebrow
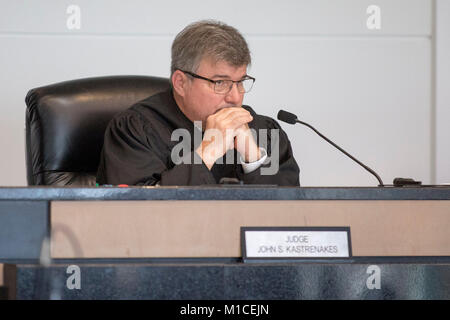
227	77
220	76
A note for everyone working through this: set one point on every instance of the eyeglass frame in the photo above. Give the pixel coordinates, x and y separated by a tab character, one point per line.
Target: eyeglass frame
247	77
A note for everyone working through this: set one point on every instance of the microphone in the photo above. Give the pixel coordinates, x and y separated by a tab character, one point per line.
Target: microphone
292	119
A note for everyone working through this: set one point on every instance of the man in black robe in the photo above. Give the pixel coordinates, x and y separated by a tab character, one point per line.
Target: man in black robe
198	132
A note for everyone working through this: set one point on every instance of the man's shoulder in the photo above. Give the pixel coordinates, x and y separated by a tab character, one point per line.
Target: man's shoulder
152	103
145	109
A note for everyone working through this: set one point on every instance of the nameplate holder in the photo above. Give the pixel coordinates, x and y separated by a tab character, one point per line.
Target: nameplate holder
295	243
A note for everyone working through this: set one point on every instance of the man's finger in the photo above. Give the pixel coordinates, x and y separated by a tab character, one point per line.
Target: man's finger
226	112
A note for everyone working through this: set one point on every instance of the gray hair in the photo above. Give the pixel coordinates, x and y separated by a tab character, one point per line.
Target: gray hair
208	39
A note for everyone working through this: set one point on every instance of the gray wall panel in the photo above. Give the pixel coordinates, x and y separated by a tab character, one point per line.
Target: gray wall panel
324	17
443	91
369	90
24	224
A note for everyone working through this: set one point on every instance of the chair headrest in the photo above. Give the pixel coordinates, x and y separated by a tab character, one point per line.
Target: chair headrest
66	121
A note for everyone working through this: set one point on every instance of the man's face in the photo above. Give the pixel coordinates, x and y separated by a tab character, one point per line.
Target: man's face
201	101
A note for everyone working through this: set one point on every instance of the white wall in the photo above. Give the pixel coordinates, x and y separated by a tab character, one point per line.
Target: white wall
371	91
443	91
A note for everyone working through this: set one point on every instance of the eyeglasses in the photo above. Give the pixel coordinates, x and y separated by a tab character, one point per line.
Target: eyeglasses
224	86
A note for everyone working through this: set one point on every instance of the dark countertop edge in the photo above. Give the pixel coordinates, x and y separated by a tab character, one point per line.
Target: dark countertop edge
225	193
177	262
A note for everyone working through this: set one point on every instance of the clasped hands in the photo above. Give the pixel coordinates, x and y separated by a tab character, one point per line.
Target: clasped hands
227	129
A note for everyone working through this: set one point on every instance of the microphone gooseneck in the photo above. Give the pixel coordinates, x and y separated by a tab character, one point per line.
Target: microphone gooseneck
292	119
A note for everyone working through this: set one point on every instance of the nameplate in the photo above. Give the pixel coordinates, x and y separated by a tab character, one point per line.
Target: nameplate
295	242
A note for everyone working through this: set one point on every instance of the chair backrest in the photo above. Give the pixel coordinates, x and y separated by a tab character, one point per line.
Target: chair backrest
66	122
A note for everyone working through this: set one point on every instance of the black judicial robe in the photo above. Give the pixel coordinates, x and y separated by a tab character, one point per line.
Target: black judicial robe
137	150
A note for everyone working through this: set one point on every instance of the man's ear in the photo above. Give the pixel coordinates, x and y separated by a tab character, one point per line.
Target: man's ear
179	82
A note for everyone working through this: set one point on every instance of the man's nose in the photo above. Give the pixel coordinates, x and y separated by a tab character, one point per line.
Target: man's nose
234	96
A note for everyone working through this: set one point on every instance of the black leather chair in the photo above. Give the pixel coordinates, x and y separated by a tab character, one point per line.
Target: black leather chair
66	122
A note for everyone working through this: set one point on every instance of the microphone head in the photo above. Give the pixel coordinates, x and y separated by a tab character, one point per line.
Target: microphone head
287	117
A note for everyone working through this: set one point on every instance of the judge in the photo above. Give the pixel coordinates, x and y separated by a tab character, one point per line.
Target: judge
208	82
